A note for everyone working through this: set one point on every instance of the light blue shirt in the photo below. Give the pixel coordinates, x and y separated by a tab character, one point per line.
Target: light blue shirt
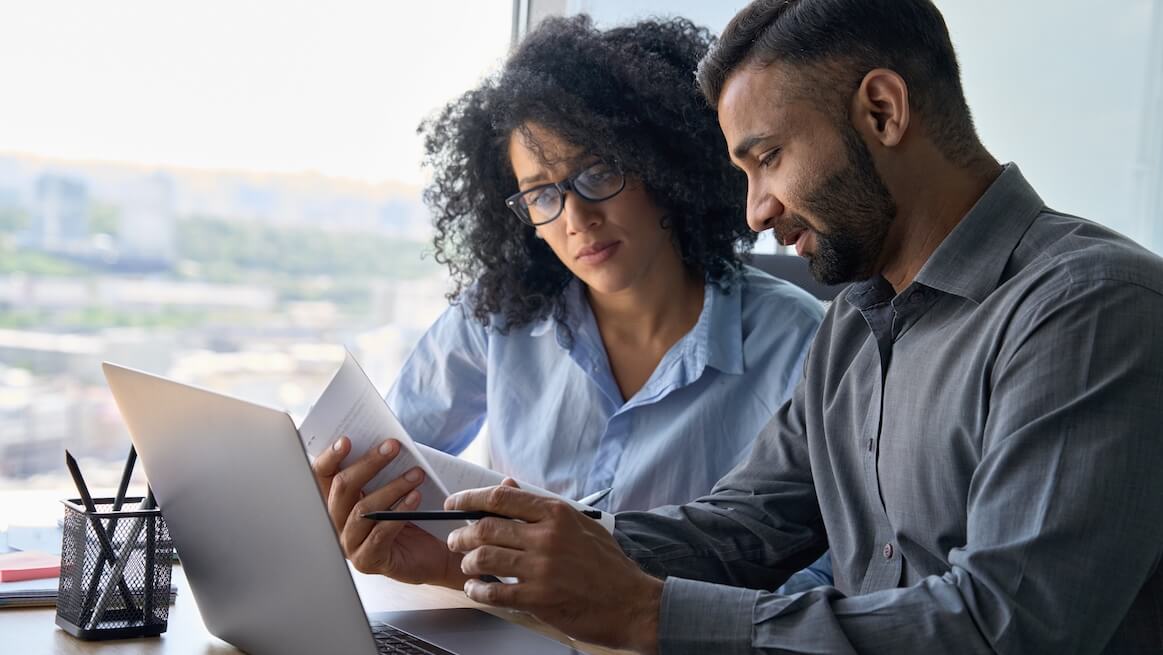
557	419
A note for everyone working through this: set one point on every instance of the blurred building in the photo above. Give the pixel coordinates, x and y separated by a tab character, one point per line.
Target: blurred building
147	225
60	220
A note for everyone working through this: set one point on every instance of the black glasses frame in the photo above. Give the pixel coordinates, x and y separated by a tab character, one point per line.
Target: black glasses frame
521	209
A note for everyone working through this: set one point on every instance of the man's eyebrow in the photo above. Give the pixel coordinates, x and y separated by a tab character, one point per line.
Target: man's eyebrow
540	177
747	144
744	147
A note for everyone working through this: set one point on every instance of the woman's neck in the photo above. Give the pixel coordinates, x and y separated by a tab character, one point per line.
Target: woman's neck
664	306
639	325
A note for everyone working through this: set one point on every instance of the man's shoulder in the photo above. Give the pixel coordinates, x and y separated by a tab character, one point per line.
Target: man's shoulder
1061	252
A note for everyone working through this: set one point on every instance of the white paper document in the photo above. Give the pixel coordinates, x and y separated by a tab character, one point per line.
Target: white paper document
351	406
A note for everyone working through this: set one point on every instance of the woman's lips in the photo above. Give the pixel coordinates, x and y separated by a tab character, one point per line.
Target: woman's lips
598	252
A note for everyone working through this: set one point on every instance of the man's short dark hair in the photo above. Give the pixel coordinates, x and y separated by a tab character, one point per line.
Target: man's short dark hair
837	42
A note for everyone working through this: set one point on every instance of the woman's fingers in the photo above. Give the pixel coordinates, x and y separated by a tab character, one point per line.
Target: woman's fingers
400	491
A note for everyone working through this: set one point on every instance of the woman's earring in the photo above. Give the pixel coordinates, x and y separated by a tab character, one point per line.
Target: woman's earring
537	234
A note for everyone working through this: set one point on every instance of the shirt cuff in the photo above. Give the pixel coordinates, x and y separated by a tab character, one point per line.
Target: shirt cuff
701	617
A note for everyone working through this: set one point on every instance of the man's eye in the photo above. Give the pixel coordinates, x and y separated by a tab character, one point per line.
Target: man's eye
769	158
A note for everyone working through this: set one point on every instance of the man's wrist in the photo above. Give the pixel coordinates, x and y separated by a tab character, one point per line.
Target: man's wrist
643	637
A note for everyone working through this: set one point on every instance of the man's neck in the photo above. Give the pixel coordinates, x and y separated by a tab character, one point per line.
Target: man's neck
929	206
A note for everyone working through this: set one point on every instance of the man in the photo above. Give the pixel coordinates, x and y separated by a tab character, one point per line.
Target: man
976	433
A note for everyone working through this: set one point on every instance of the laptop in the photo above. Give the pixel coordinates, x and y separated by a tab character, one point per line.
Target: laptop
257	547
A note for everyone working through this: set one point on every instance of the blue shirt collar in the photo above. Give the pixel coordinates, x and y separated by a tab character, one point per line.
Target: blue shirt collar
716	340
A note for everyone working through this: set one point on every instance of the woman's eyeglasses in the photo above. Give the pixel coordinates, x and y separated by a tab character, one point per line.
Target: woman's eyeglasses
543	204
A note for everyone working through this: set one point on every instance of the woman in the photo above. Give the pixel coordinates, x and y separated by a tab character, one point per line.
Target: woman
603	322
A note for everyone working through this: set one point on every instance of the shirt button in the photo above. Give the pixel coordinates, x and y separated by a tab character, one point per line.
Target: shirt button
888	551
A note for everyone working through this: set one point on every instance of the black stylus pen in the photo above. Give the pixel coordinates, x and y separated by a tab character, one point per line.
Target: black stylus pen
451	515
107	551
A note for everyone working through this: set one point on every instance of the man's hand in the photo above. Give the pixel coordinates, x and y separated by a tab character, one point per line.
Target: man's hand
397	549
571	572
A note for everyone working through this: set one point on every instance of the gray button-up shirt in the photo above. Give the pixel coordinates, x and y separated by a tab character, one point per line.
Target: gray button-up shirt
981	452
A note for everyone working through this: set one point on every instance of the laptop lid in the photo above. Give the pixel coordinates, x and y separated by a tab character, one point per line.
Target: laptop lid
253	534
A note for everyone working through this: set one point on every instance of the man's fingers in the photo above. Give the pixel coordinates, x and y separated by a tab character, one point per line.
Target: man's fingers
490	531
493	560
502	499
497	594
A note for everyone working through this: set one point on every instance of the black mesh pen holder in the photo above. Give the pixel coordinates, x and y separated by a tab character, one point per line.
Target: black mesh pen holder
115	571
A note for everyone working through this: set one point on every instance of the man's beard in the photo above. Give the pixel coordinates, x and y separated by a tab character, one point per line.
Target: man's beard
857	210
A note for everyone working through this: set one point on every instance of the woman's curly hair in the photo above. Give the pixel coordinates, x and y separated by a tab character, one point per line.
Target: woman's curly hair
627	94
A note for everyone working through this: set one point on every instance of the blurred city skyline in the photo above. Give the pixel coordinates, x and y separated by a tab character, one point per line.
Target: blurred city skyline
224	193
229	193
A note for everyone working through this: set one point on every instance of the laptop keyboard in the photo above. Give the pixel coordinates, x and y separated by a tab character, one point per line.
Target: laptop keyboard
393	641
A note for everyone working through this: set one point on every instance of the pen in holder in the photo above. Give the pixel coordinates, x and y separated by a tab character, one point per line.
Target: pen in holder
115	571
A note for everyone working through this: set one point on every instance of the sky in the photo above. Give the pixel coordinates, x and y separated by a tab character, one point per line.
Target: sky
333	87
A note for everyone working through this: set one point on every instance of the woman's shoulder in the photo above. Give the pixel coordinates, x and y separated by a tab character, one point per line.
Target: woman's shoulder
495	325
765	297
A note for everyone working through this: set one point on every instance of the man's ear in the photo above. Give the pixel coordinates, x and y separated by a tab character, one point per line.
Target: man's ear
880	107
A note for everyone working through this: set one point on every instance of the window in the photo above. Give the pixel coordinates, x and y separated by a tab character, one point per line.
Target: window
224	193
1070	90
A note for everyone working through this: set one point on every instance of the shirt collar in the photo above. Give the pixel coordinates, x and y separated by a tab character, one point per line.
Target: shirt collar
719	331
716	340
971	259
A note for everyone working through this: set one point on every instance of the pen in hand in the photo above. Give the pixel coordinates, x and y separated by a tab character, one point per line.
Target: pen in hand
451	515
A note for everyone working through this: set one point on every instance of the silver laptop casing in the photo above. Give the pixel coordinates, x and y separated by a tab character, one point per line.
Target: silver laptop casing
256	543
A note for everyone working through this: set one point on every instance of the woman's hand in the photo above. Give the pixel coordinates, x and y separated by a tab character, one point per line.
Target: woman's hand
397	549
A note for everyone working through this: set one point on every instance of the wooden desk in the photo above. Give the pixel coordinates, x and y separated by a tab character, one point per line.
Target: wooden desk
33	632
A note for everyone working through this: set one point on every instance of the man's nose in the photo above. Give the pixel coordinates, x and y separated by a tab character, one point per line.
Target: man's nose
763	209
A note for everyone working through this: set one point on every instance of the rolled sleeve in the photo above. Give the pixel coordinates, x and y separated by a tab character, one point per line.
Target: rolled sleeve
701	617
440	396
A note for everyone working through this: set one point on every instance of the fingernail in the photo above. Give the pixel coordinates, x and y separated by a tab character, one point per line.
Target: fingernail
412	499
338	445
414	475
387	447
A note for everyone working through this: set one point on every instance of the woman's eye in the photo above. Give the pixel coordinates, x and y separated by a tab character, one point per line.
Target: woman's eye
597	175
540	199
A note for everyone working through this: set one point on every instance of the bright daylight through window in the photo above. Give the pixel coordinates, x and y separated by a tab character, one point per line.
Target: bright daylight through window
225	193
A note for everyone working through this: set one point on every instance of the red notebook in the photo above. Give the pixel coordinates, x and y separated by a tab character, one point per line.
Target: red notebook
29	565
